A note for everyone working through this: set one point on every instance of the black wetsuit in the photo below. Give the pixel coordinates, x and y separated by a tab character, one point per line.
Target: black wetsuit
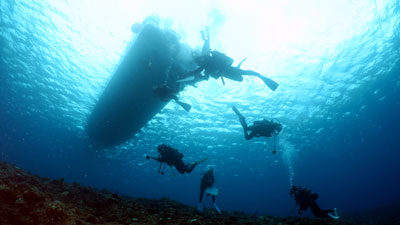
265	128
317	211
172	157
216	64
306	198
206	181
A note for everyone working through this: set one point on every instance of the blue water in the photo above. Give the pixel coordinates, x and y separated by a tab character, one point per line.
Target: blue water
337	64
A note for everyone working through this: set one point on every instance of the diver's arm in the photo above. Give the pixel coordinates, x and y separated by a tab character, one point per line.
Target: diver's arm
267	81
154	158
201	195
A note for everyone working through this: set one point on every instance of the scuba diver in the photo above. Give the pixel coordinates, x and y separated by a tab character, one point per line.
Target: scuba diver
206	184
172	157
266	128
166	93
306	198
218	65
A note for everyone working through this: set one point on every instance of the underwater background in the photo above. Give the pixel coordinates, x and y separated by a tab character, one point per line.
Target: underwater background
337	64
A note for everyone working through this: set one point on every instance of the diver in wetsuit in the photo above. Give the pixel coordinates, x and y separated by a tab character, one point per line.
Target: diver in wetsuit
305	198
218	65
172	157
265	128
206	183
166	93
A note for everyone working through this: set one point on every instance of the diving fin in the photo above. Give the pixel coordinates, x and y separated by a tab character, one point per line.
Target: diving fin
200	161
270	83
216	207
236	111
185	106
335	217
241	117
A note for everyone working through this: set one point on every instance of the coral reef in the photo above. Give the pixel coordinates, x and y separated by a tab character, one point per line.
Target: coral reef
29	199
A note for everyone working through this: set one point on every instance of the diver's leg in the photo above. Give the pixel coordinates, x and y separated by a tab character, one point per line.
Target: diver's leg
242	120
181	170
328	211
193	165
201	195
200	205
269	82
184	105
153	158
316	210
232	73
250	73
180	166
248	136
215	205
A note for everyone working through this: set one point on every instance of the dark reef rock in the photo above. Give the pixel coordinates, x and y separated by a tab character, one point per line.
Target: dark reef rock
29	199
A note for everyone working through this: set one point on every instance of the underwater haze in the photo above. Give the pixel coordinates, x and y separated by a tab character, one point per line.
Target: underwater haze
338	68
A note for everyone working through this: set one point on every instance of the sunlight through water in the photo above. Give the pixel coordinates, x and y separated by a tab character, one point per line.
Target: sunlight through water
60	56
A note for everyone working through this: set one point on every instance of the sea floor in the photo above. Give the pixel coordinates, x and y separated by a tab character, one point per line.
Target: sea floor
30	199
